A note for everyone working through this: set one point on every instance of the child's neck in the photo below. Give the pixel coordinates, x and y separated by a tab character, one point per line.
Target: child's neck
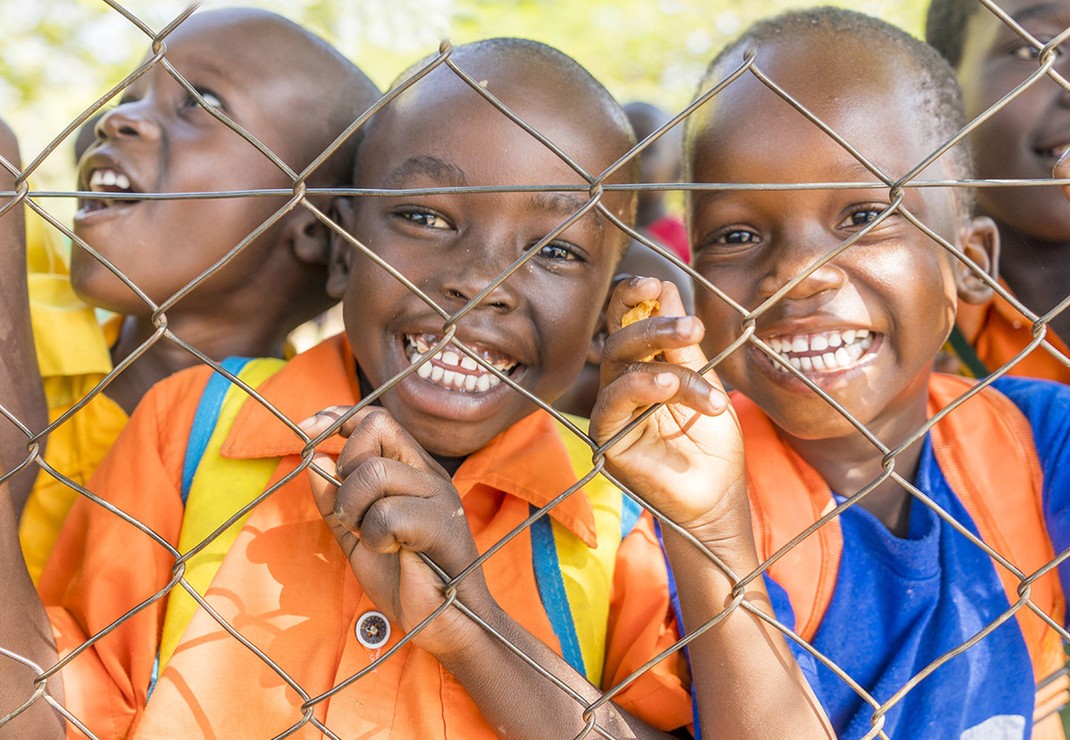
1037	272
449	464
165	358
848	464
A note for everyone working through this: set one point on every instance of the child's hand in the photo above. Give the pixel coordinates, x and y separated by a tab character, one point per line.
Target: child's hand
395	501
686	458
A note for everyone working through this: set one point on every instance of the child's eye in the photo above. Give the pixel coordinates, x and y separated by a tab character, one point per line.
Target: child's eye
210	98
425	218
559	251
861	217
738	236
1030	53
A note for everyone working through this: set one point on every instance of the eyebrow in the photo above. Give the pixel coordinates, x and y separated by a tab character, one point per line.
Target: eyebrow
426	167
566	205
1044	11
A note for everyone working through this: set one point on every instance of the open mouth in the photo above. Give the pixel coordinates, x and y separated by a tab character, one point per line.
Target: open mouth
107	180
450	368
825	352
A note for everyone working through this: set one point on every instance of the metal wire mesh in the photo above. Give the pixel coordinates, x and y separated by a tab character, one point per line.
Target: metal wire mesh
299	196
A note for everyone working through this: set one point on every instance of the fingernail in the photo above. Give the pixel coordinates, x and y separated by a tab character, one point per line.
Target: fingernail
665	380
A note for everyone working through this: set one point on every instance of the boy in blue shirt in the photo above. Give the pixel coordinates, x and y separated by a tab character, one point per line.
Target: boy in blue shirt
846	295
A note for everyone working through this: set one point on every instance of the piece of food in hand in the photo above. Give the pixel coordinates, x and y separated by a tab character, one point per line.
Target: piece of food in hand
638	312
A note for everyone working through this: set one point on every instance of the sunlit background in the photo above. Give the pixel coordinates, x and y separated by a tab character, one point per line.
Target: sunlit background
60	56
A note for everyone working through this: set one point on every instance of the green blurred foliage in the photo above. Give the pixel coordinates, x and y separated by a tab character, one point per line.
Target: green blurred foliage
61	56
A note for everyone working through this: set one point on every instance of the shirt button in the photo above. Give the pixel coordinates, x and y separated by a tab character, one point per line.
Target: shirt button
373	629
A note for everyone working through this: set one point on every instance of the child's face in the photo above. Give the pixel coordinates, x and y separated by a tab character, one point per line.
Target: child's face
877	314
1025	138
538	324
159	139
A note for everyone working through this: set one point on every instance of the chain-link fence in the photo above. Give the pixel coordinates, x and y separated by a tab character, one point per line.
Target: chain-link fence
258	617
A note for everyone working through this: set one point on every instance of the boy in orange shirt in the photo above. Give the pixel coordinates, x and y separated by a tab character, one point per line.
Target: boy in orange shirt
844	295
1022	140
326	613
250	66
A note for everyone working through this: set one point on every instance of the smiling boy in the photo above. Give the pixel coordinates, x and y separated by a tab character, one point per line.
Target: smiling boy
886	589
1022	140
326	582
256	68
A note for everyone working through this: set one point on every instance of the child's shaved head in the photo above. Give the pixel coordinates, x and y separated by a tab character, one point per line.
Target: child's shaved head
942	113
545	87
323	92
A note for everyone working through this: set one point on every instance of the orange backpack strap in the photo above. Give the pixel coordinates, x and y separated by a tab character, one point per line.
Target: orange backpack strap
975	445
808	571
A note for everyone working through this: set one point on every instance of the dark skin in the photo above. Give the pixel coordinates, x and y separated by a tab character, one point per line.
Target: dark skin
20	387
162	140
895	288
686	460
1022	141
397	501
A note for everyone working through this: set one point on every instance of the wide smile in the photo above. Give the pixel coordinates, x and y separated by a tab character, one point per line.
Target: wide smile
451	369
824	353
106	180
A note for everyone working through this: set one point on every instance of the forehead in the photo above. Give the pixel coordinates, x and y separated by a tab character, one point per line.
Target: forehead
876	108
1025	12
443	118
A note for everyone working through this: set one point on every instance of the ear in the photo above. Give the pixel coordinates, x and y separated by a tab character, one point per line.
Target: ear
979	240
308	236
339	252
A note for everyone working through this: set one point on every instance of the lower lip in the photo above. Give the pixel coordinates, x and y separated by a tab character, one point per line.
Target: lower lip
85	217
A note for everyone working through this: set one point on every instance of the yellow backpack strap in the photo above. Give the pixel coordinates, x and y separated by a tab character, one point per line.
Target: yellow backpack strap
209	503
575	581
975	446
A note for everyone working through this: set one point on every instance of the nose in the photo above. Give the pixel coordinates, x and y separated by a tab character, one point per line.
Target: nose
475	270
795	259
128	120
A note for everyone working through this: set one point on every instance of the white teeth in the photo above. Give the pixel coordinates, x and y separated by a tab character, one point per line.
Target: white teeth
467	374
826	351
108	178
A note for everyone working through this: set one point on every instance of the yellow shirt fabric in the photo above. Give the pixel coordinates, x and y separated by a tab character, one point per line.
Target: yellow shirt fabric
72	354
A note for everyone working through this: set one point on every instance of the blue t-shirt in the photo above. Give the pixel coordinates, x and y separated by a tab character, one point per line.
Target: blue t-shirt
901	603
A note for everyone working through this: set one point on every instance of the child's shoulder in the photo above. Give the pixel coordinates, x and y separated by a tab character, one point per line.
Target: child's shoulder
1045	403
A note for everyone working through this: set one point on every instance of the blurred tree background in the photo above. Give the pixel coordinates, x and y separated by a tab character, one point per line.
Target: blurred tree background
61	55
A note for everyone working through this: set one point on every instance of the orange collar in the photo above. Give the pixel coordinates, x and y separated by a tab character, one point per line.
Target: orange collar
529	460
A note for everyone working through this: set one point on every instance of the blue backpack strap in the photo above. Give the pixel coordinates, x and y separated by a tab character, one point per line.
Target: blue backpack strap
204	421
552	591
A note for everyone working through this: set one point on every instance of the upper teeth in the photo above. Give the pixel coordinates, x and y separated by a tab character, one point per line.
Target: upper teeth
108	178
467	375
830	350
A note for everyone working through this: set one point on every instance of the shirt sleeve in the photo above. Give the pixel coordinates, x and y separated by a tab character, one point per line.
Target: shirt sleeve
112	567
642	626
